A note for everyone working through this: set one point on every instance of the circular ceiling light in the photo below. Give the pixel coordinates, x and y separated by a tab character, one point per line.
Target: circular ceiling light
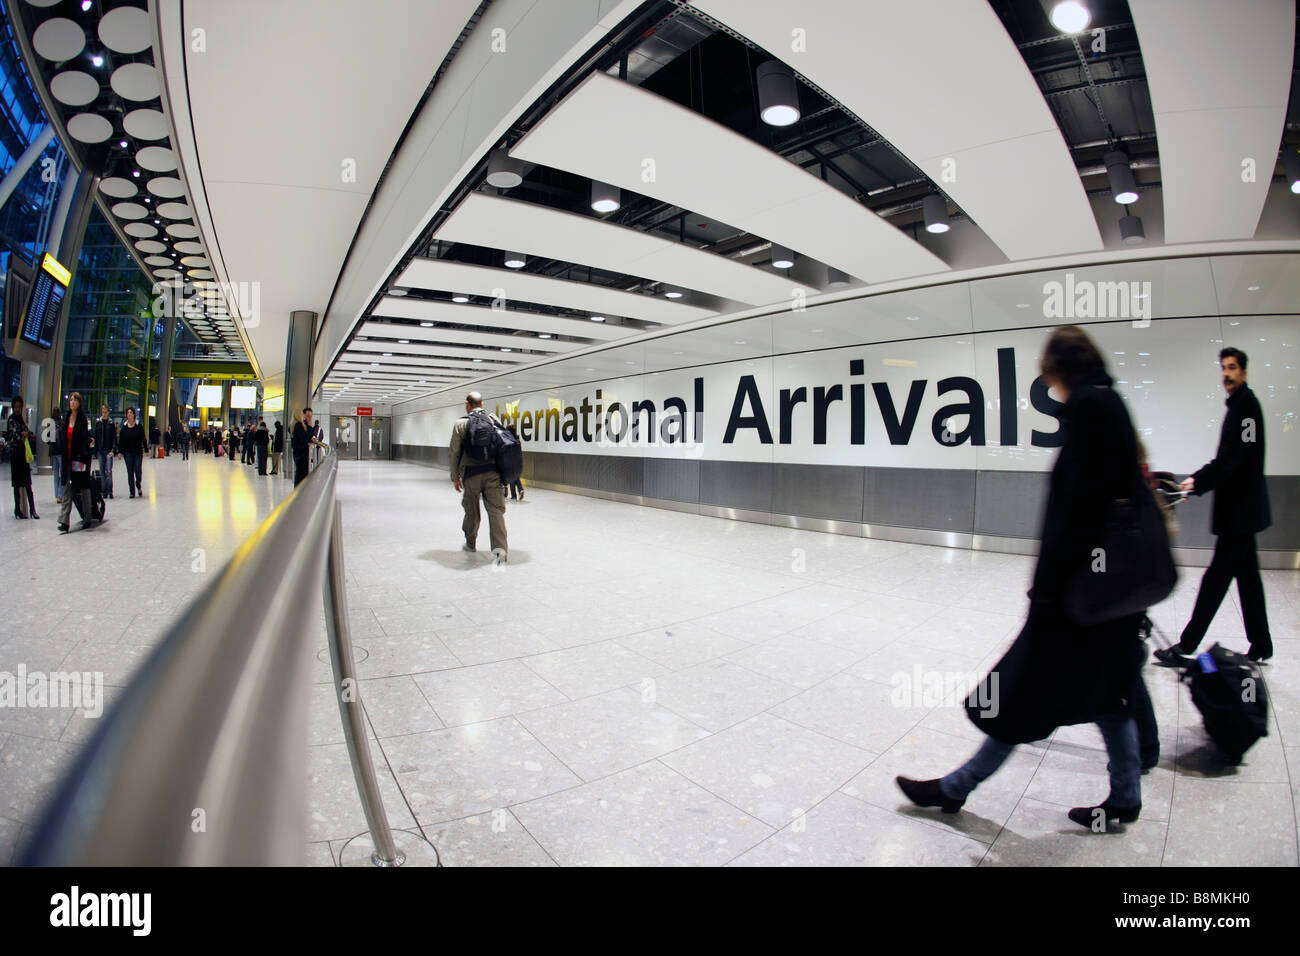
672	292
59	39
129	210
459	298
175	210
89	128
145	123
135	81
604	197
1068	16
156	159
126	30
778	94
782	258
426	325
935	210
515	260
1131	231
836	278
118	188
598	318
1122	185
504	172
74	88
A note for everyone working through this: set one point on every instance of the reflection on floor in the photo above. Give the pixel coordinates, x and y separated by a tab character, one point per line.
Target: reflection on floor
646	687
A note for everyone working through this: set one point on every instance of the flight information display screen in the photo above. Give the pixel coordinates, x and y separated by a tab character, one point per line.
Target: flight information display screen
48	289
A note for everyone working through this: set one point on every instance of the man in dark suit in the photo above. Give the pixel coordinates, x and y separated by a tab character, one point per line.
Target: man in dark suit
1236	476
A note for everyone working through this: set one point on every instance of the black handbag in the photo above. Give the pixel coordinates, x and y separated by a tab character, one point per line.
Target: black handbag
1134	569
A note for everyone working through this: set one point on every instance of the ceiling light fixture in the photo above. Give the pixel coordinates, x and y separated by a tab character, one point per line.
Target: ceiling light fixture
1291	165
1068	16
97	60
460	298
426	325
782	258
1131	231
543	335
672	292
515	260
935	209
398	292
504	172
778	94
604	197
1122	185
836	278
598	318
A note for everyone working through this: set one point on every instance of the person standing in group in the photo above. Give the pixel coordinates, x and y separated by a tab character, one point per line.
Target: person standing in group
477	477
18	438
232	440
56	416
277	447
305	433
185	445
261	439
1058	671
155	435
250	445
105	436
130	442
75	449
1241	510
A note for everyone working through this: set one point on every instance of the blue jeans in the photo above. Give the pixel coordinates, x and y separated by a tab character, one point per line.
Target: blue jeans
106	469
57	462
133	462
1120	733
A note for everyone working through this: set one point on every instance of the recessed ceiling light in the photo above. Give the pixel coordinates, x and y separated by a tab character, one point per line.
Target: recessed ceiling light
426	325
460	298
544	335
398	292
1069	16
478	360
505	350
99	61
403	341
1252	288
135	173
515	260
388	355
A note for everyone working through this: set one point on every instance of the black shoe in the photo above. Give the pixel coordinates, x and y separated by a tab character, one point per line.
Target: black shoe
1173	657
1110	814
37	517
133	494
927	793
63	529
1259	657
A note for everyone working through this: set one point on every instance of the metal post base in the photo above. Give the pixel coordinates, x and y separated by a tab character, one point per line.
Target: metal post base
412	849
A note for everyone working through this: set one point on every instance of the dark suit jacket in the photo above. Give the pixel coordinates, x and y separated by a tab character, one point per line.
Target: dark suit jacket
1236	475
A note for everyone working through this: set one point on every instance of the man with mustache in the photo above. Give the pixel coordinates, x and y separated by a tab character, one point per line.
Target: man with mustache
1241	510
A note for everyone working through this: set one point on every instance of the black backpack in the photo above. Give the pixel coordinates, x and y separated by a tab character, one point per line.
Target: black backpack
1228	690
486	442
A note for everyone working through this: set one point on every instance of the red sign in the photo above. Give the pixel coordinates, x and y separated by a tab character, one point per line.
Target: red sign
364	411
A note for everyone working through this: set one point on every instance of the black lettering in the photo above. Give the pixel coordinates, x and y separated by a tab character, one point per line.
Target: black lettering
973	408
677	418
900	433
747	388
789	400
822	399
637	408
585	408
552	414
570	424
526	427
1043	402
1008	428
616	437
699	410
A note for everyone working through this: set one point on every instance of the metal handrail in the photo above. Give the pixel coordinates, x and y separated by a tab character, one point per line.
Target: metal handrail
202	760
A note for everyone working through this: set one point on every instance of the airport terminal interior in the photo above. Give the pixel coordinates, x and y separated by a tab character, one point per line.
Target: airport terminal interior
650	433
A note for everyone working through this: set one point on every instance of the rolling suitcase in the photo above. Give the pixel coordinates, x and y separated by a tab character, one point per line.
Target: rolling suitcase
97	507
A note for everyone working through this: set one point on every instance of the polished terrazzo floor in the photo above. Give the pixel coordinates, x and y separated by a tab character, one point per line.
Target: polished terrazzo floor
647	687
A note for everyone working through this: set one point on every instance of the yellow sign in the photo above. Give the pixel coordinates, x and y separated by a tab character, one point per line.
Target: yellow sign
275	404
56	269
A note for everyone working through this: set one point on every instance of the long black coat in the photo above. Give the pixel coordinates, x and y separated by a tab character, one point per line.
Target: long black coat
1057	672
80	448
1236	475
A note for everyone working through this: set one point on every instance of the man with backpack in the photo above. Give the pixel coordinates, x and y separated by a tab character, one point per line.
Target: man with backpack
475	441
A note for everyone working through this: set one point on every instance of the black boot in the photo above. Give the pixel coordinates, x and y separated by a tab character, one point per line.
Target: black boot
1109	815
927	793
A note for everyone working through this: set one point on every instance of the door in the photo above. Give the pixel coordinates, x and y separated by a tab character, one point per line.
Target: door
345	437
374	439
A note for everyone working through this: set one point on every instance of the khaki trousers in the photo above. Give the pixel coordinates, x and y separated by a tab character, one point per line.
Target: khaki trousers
275	462
488	487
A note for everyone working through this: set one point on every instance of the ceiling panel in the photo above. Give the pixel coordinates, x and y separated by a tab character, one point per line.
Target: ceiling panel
1220	76
419	333
706	168
442	275
505	359
499	223
406	308
973	118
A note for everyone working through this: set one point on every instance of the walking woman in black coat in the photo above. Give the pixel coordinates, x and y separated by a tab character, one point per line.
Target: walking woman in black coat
1058	672
74	446
17	437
